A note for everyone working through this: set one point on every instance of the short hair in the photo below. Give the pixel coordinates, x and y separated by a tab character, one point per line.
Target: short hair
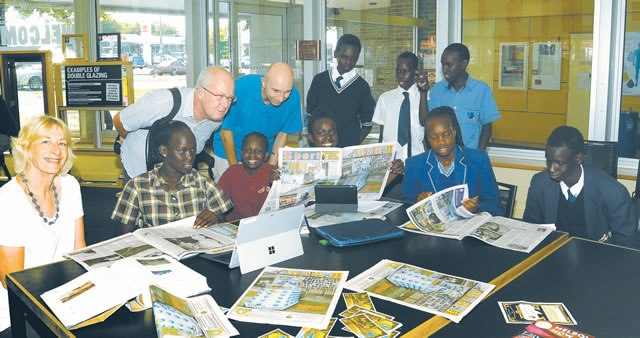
567	136
160	135
321	112
33	130
459	48
446	112
206	75
260	136
410	57
349	39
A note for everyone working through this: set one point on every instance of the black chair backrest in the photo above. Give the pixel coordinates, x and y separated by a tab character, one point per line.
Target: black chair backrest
602	155
507	198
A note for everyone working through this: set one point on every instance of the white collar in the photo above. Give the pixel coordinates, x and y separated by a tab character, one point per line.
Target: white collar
345	77
576	188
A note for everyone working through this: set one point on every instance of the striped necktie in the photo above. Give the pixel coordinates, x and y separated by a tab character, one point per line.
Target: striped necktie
338	79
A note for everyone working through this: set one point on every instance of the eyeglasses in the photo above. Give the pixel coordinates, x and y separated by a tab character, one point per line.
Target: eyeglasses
230	99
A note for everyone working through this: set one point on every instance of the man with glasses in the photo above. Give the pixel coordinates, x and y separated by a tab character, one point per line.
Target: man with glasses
202	108
266	104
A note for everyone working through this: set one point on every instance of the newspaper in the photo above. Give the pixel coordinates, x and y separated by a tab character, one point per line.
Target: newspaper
193	317
443	215
523	312
280	296
425	290
365	166
94	295
177	239
316	219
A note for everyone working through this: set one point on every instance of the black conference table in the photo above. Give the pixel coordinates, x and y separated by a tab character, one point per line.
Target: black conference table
468	258
598	283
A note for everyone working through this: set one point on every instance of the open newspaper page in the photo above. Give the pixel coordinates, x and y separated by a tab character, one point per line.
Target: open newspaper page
367	167
510	234
280	296
442	214
319	219
194	317
425	290
163	271
179	239
300	170
105	253
89	298
176	239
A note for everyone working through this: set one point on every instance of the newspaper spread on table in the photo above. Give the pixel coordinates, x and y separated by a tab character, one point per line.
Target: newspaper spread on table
442	214
365	166
425	290
318	219
177	239
295	297
192	317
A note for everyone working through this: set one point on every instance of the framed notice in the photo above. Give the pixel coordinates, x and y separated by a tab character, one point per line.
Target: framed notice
89	86
108	47
308	50
513	65
74	46
547	65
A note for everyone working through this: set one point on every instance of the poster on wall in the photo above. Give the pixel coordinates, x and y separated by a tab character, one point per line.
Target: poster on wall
546	67
513	65
631	64
93	85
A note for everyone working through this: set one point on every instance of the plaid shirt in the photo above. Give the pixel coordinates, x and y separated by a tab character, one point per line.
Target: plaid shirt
147	200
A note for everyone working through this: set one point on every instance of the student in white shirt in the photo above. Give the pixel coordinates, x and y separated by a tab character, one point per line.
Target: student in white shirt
388	109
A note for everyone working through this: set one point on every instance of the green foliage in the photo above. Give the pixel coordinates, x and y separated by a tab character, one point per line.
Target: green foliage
167	30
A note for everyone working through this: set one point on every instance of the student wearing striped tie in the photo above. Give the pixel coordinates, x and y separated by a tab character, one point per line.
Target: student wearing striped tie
342	91
580	199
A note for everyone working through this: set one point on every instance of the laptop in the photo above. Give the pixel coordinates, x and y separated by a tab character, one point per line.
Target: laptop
264	240
336	198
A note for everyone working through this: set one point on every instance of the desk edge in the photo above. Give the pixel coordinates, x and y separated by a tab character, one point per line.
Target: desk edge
436	323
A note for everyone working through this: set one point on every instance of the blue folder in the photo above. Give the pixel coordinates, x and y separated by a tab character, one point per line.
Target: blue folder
359	232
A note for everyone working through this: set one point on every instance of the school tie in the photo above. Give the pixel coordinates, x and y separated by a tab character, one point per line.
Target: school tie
571	197
404	124
338	79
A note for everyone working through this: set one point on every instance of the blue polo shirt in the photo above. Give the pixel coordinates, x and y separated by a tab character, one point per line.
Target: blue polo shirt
250	114
474	106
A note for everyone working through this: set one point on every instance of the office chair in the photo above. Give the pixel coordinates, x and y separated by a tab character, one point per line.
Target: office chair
205	158
507	198
602	155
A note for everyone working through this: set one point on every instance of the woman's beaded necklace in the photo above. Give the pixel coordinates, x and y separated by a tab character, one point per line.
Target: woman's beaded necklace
35	202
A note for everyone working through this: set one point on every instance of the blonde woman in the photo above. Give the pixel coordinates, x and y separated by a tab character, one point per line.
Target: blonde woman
41	208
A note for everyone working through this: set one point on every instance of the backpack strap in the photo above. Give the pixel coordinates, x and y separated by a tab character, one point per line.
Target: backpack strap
177	102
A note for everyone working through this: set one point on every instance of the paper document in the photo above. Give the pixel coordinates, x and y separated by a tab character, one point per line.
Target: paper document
295	297
177	239
443	215
444	295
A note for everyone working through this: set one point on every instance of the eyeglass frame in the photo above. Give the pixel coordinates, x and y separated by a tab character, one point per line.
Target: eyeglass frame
231	99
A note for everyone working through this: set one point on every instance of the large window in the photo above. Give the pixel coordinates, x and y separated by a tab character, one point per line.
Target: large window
536	56
628	132
34	25
153	38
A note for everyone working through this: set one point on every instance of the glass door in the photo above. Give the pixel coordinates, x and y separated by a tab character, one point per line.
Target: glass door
24	86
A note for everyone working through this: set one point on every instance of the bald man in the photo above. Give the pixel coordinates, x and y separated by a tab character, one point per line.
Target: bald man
266	104
202	108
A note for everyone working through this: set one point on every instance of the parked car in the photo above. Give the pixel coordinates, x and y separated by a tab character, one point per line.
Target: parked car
29	77
138	62
176	67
